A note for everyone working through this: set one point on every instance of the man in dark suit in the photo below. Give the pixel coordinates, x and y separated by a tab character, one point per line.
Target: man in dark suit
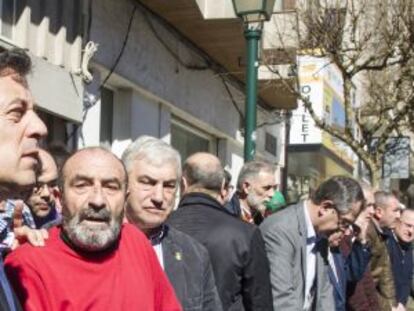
236	248
399	245
20	132
154	171
256	185
296	248
343	269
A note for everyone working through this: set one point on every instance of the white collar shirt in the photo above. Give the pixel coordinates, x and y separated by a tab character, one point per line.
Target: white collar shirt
310	260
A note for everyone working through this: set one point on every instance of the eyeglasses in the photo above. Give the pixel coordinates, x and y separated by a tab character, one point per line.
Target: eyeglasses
343	223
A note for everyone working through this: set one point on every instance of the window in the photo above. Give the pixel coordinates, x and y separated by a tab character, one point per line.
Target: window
188	140
8	17
107	111
61	132
271	144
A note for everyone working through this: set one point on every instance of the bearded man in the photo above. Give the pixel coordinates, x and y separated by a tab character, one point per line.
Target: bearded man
255	186
93	261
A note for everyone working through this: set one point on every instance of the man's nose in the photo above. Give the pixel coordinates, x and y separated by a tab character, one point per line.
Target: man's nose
45	191
36	128
158	193
271	192
97	198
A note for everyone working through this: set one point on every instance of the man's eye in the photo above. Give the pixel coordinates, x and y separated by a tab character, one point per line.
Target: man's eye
113	186
16	114
146	182
170	185
80	184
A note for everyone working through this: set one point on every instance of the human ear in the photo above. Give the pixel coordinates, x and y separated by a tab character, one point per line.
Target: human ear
246	187
183	185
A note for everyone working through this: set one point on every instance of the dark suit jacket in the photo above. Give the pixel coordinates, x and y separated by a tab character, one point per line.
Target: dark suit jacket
4	306
187	265
340	284
349	269
236	251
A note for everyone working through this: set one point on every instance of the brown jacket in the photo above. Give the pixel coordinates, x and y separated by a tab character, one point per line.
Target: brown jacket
361	295
380	267
378	277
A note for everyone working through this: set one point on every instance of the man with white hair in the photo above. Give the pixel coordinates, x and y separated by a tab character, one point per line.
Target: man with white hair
92	261
256	185
154	172
399	246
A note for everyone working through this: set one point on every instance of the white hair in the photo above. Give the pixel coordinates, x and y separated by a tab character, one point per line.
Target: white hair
152	149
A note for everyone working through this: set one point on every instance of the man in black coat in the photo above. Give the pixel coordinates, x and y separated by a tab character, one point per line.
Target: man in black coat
20	132
256	185
154	171
236	248
399	245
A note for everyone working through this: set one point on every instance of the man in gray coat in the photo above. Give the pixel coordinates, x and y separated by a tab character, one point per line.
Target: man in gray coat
154	171
297	249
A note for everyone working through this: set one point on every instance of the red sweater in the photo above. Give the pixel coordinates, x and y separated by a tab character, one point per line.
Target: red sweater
55	277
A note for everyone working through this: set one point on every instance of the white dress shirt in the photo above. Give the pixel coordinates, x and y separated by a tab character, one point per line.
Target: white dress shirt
156	242
310	260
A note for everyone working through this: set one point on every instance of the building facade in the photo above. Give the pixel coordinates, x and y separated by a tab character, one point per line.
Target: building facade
106	72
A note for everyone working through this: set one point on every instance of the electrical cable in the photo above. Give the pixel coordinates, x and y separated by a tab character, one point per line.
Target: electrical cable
233	101
121	52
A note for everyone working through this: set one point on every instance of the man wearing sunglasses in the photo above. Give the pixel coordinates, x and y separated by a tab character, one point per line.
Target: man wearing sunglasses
296	247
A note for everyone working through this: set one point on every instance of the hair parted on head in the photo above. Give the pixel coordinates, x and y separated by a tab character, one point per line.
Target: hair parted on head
343	191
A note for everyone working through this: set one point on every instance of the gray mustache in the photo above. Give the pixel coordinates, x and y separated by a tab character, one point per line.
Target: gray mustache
92	214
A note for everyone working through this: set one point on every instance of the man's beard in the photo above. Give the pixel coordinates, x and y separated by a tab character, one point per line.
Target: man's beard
254	203
95	237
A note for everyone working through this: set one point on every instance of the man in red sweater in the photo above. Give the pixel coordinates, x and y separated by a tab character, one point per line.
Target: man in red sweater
93	261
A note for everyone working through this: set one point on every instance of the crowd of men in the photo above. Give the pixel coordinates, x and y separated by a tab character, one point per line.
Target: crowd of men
102	233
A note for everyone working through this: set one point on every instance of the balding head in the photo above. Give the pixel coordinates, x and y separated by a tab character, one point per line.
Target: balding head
89	155
93	198
203	172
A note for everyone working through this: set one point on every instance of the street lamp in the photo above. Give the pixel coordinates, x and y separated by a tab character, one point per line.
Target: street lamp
253	13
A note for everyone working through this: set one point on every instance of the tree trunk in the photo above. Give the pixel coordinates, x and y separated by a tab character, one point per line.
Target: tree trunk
375	173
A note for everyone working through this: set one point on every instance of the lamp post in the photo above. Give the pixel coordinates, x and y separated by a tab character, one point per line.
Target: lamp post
253	13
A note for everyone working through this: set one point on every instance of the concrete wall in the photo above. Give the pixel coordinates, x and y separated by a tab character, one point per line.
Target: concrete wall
152	85
147	63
